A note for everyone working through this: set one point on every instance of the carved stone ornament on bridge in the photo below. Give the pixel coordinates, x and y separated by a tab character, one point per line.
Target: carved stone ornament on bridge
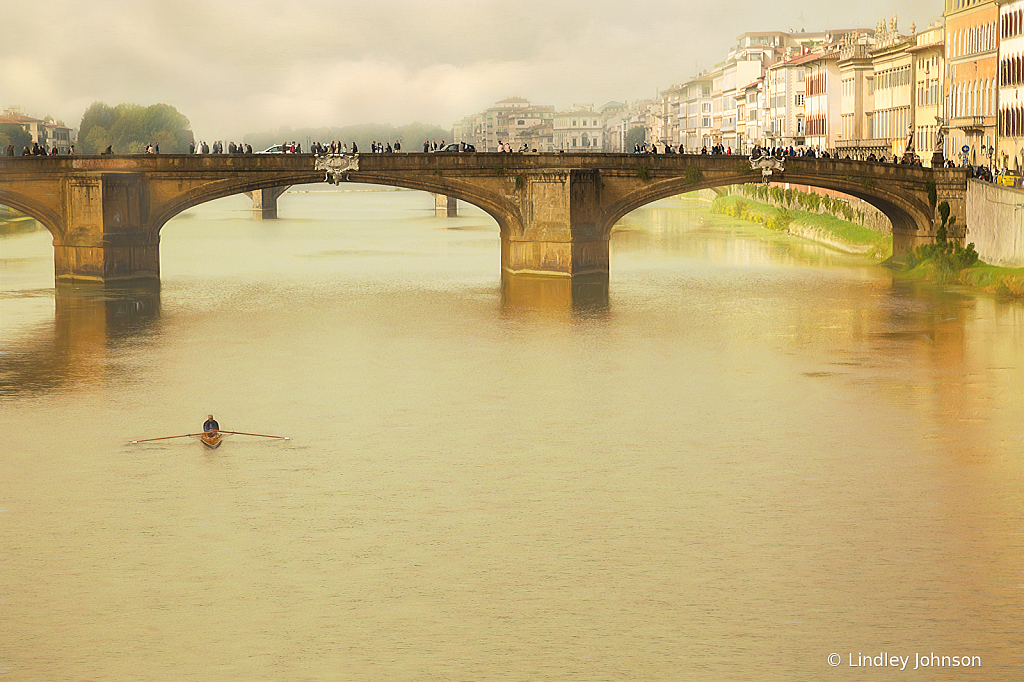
337	166
767	164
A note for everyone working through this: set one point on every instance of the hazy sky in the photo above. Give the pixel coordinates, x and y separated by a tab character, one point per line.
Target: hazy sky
238	66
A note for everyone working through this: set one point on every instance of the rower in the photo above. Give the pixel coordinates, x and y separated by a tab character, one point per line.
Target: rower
211	424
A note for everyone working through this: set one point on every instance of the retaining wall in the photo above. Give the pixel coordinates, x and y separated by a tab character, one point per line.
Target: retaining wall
995	223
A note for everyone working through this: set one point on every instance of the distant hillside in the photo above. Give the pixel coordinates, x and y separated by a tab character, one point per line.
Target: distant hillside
412	136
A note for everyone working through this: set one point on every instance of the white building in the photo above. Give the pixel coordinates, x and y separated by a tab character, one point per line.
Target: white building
578	129
786	89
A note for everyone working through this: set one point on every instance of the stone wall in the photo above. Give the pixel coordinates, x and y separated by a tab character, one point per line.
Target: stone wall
995	223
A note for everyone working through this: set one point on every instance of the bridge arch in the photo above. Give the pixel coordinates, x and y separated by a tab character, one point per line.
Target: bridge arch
44	214
224	188
909	215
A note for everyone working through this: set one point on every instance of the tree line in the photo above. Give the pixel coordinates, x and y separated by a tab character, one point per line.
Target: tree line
128	128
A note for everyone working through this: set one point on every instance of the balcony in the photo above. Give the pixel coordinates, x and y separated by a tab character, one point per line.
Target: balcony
971	124
854	52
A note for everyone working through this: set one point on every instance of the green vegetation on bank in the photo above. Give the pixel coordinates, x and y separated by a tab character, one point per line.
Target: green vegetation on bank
949	263
809	201
944	262
13	221
826	228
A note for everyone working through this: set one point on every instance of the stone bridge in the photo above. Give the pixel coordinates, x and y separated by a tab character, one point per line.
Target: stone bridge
555	212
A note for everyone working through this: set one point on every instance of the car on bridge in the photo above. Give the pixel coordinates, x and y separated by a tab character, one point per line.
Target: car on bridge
455	147
276	149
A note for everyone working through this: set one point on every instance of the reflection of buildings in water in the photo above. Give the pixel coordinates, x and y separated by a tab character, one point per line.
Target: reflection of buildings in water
559	295
88	322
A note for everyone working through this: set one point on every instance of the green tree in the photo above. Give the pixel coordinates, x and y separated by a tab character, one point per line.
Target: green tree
12	133
634	136
128	128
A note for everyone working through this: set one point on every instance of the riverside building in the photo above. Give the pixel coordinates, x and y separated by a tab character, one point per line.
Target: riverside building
1010	132
972	47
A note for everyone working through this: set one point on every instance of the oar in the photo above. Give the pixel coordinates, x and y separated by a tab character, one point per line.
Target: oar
146	440
261	435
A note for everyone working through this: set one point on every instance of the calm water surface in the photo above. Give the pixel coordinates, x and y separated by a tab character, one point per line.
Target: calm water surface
748	454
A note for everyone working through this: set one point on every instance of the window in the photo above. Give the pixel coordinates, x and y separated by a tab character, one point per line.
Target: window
798	100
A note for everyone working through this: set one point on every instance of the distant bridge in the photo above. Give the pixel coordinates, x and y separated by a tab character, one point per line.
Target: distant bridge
555	212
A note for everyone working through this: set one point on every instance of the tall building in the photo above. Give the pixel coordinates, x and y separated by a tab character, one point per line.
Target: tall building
823	101
615	121
1010	139
929	74
695	114
972	46
672	103
858	78
892	117
749	116
786	89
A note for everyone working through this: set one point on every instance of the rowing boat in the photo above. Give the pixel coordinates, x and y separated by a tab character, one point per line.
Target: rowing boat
211	439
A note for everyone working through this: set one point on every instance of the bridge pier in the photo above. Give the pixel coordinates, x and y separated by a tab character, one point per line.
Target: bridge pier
554	294
561	232
264	202
445	206
104	237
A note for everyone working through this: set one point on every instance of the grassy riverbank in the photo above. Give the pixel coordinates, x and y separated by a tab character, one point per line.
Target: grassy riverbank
13	222
943	265
834	232
981	277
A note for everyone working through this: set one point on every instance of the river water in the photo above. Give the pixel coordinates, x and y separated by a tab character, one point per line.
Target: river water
745	454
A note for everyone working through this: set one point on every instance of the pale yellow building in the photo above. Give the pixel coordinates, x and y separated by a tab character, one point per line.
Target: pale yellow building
971	88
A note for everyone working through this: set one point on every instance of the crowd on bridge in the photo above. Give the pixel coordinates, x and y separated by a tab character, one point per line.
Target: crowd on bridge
36	150
217	147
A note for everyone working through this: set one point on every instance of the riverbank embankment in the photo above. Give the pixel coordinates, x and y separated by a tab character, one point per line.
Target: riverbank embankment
13	222
952	265
830	230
